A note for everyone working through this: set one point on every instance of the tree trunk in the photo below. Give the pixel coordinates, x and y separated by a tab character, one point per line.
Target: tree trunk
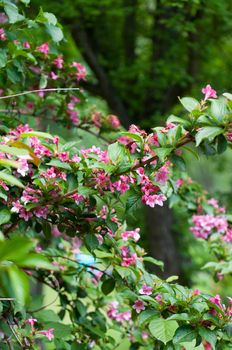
161	239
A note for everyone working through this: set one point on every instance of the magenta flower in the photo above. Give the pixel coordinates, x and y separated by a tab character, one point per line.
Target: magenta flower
147	290
209	92
48	333
58	62
138	306
26	45
31	321
44	48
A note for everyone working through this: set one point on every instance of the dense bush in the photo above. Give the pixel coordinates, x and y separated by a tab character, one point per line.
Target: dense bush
64	209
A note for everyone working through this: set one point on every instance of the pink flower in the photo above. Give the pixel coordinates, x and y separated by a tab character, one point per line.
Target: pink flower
113	121
23	167
63	156
196	292
26	45
179	182
48	333
55	231
209	92
207	345
31	321
159	298
139	306
54	76
58	62
44	48
216	300
131	234
147	290
144	335
152	200
2	34
81	71
162	174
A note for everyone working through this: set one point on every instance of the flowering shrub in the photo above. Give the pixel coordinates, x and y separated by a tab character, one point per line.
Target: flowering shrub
64	208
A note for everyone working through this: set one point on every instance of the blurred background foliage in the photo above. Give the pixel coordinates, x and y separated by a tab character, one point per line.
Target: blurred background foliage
141	55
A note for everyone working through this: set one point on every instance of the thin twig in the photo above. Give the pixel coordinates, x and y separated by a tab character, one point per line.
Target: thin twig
39	90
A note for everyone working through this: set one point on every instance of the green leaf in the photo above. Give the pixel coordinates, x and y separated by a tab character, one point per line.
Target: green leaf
46	17
116	152
15	249
108	286
13	151
208	335
9	163
39	134
58	164
43	81
19	283
134	136
91	242
222	144
208	132
153	261
163	152
189	103
12	13
177	120
55	32
11	180
218	109
35	260
4	216
184	333
162	329
3	58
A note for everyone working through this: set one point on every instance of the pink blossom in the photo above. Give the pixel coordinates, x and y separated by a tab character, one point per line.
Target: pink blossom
54	76
131	234
179	182
81	71
76	158
63	156
147	290
228	236
2	34
3	185
48	333
31	321
41	212
216	300
209	92
44	48
26	45
96	119
159	298
55	231
58	62
207	345
162	174
204	225
196	292
113	121
152	200
144	335
23	167
138	306
55	140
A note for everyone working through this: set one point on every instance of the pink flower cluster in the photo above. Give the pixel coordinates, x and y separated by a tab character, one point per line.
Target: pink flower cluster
73	114
226	309
2	34
161	175
81	71
114	314
128	259
131	234
150	196
209	92
53	173
204	225
44	48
